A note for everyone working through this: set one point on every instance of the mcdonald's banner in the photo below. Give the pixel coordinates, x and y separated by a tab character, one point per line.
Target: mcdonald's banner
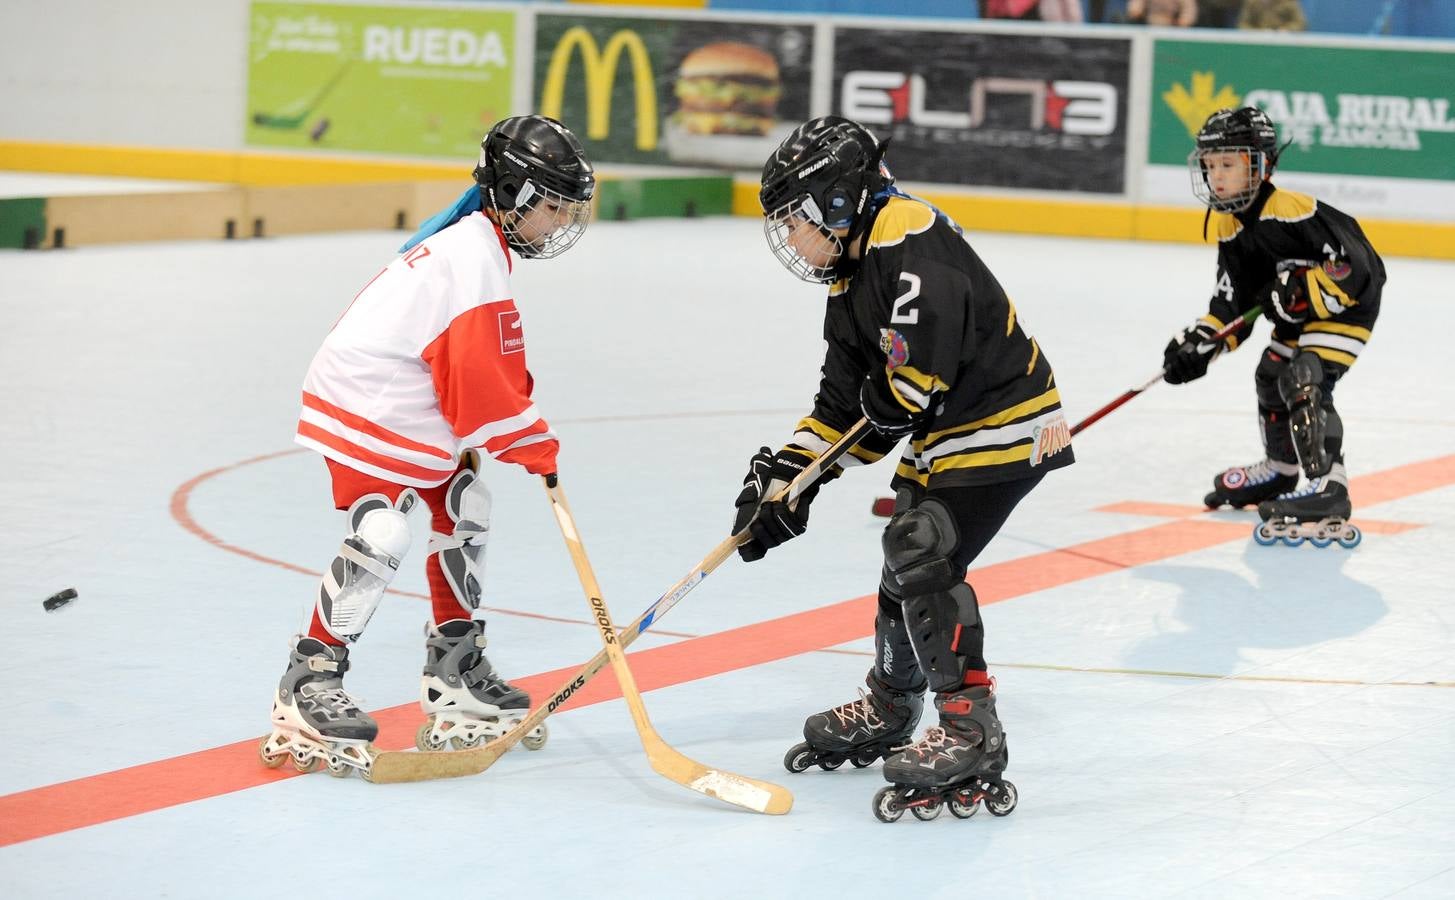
690	92
414	80
1045	112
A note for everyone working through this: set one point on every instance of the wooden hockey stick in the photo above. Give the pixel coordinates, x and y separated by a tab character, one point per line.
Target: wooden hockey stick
739	790
884	506
395	766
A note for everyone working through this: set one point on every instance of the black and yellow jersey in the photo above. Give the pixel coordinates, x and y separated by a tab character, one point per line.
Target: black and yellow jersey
923	306
1344	276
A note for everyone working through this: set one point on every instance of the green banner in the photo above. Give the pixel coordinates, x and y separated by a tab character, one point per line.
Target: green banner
409	80
1348	111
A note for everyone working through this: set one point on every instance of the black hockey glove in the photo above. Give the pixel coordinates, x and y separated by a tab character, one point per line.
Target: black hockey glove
885	413
770	523
1288	297
1188	354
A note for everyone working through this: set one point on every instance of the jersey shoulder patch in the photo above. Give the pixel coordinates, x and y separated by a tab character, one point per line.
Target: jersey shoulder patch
1226	226
900	218
1288	206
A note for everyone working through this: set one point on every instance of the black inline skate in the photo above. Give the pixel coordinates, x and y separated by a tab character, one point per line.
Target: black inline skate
862	731
1318	513
956	764
1243	486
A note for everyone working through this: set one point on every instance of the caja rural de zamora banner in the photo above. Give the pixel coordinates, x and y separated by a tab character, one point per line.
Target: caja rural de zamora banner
675	91
1347	111
410	80
1021	111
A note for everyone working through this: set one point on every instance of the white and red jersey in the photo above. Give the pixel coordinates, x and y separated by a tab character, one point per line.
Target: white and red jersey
428	361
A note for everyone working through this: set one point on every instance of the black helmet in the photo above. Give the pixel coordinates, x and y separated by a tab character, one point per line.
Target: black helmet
526	161
1247	132
825	173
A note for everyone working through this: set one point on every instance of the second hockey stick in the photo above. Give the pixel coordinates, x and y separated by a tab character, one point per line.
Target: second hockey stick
748	793
396	766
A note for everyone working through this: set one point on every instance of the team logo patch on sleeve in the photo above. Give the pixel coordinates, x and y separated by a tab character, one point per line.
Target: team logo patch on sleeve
512	339
1050	439
1337	269
895	347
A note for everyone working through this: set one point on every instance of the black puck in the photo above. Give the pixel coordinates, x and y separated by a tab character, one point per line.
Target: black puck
56	601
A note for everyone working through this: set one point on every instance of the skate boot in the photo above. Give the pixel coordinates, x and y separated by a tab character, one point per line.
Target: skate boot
957	763
314	718
1318	512
861	731
1243	486
465	701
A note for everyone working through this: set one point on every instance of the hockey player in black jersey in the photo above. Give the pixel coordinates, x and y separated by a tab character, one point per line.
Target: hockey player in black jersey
1317	276
923	342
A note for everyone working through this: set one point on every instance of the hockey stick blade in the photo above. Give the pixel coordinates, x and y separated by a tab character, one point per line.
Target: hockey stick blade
738	790
398	766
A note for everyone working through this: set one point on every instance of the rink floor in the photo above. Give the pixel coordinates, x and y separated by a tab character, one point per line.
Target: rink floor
1189	714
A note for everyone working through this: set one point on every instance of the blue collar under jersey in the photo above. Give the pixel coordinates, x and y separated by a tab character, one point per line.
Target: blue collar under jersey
468	203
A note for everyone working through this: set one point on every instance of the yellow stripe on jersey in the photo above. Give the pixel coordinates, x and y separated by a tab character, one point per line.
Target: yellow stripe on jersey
1322	290
1010	317
1020	410
905	470
898	219
809	423
839	288
1035	352
1218	325
1288	206
925	382
1336	356
1018	453
1357	332
829	436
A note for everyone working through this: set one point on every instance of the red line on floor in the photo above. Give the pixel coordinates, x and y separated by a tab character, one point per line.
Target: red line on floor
97	799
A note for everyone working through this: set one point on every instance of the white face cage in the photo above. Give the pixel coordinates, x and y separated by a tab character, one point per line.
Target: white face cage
544	224
1227	179
798	238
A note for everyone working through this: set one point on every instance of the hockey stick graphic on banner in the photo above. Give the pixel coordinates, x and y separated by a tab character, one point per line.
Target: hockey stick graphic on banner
395	766
884	506
748	793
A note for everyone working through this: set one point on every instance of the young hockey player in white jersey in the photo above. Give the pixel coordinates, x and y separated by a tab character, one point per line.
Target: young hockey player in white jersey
1319	279
924	343
422	375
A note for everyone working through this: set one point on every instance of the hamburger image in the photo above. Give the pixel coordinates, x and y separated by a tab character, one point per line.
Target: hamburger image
727	88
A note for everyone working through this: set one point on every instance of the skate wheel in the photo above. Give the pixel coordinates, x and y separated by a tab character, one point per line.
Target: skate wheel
536	739
338	768
1264	536
963	804
1321	541
798	758
467	742
865	759
1294	540
828	765
424	738
886	805
929	811
305	766
1001	798
1351	538
271	760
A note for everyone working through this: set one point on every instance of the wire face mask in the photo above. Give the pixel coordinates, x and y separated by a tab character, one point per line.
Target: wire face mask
1227	179
800	240
544	223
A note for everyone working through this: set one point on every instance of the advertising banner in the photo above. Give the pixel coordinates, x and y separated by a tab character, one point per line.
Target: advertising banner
674	91
410	80
1003	110
1347	110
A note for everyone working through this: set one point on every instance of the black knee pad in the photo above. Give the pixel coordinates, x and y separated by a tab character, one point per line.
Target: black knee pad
1312	420
1265	380
919	545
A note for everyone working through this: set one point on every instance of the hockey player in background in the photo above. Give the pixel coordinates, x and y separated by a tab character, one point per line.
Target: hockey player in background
422	375
922	341
1316	275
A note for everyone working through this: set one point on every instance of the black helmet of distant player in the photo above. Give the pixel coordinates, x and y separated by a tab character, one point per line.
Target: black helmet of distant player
818	195
535	176
1243	138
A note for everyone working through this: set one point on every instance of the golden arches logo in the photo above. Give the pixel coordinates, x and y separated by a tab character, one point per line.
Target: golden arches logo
600	68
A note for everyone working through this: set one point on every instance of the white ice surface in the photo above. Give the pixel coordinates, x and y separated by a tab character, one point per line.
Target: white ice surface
664	354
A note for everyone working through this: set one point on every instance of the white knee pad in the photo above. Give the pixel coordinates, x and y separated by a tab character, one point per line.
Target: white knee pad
462	552
355	581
